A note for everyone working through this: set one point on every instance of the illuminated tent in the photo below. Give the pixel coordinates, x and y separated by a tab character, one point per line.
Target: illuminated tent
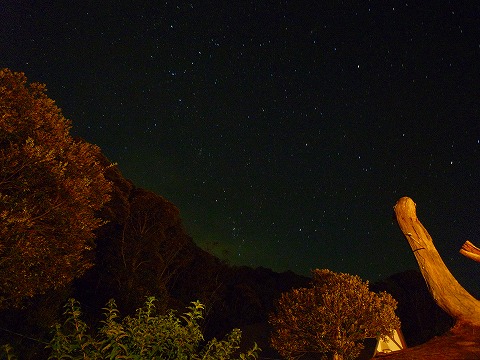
394	343
377	347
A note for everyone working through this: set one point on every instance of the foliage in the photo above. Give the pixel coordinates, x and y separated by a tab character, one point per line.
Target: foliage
144	336
332	317
51	185
6	352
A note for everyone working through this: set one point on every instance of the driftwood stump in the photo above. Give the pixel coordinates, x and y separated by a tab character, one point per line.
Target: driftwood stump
443	286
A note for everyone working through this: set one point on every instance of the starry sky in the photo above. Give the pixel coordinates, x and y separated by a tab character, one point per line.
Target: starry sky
284	131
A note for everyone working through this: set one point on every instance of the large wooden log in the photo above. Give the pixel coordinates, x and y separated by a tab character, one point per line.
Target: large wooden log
443	286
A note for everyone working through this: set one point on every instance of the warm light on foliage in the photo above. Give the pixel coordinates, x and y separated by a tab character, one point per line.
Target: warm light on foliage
332	317
144	336
51	185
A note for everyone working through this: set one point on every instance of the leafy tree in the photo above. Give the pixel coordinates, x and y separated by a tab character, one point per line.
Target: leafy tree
332	317
51	186
144	336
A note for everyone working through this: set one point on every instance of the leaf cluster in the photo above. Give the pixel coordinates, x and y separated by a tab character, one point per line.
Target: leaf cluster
51	186
333	316
143	336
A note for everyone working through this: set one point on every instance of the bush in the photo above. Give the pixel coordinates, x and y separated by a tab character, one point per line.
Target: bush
331	318
144	336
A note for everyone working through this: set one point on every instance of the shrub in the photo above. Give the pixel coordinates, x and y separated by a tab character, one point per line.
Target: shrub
143	336
332	318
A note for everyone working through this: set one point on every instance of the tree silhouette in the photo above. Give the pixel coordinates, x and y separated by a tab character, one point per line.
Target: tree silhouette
149	249
331	318
51	185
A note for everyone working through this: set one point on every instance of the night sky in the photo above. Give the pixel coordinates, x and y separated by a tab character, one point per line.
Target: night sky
284	131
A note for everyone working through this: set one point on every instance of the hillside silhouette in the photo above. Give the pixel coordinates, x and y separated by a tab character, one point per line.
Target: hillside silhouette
143	250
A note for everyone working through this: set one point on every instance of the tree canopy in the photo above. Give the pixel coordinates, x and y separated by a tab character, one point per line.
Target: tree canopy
51	186
332	317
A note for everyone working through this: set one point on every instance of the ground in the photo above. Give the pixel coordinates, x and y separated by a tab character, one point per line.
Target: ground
462	342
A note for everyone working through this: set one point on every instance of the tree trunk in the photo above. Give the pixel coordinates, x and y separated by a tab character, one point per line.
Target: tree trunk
443	286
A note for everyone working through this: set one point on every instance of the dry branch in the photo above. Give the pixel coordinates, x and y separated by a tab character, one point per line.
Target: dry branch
443	286
471	251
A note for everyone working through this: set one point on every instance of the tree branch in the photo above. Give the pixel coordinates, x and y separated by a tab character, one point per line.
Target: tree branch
471	251
443	286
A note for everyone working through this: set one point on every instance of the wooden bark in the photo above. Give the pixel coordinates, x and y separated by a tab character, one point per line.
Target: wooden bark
443	286
471	251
